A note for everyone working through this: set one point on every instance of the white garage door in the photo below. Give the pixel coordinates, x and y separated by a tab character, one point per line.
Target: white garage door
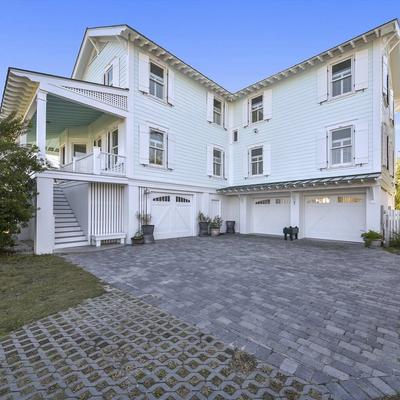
336	217
172	214
271	215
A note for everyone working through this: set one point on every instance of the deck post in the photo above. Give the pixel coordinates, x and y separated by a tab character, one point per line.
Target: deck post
41	106
44	227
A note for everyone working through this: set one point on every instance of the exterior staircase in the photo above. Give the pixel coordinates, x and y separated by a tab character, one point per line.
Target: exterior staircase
68	232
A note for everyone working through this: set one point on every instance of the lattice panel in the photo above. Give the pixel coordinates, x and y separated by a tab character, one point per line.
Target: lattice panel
115	100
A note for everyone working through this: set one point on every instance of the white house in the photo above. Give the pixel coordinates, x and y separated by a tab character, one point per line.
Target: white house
137	129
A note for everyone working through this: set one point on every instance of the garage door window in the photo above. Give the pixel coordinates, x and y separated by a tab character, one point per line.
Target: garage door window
162	199
319	200
349	199
265	201
180	199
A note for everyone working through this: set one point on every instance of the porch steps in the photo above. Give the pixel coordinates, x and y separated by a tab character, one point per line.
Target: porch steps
67	230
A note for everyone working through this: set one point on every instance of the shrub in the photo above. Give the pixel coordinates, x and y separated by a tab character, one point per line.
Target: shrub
370	236
395	241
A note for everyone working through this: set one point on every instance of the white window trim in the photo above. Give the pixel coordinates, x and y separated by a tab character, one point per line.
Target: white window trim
164	131
165	88
222	150
249	111
332	128
222	112
330	65
249	164
106	69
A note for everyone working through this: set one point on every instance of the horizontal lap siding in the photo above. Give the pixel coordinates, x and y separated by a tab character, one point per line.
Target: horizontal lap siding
95	70
187	119
297	121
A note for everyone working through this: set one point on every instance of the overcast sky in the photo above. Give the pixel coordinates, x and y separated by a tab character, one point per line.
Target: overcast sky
233	42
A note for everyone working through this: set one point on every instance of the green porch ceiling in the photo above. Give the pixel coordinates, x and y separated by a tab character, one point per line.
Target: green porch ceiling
62	114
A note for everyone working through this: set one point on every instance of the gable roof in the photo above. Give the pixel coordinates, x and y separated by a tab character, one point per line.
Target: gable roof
128	33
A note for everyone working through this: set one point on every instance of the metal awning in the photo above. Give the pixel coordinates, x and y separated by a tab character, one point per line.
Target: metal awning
304	183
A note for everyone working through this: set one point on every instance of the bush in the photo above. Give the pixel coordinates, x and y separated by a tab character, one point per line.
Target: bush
370	236
395	241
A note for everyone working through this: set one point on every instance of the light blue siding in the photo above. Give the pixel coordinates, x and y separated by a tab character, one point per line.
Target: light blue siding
188	121
95	70
297	122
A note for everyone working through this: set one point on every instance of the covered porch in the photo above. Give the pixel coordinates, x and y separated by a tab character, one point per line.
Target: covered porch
79	127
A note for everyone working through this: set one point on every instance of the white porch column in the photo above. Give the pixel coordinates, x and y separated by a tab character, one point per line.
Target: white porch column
41	105
129	120
44	228
131	208
244	214
373	208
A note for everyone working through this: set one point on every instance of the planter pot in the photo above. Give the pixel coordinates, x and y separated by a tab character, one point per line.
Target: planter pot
148	231
215	231
136	241
204	228
230	226
376	243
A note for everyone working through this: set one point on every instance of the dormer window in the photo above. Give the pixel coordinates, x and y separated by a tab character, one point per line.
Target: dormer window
157	81
108	76
342	78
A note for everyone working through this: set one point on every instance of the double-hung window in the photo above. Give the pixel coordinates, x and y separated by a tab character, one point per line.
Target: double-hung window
157	148
108	76
256	161
256	108
341	146
342	78
217	112
157	81
218	160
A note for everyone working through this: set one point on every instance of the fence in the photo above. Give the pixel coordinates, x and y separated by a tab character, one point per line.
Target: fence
391	224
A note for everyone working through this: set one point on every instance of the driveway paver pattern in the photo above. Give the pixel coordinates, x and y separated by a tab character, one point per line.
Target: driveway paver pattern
118	347
328	313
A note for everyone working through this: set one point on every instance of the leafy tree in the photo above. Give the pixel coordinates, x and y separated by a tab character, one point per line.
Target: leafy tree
397	181
18	164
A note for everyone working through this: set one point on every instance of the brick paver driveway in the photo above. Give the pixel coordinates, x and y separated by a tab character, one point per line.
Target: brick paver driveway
328	313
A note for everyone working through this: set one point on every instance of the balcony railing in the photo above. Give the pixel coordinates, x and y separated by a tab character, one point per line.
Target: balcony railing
98	162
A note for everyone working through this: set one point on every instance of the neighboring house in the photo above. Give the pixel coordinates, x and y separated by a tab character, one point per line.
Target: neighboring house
135	129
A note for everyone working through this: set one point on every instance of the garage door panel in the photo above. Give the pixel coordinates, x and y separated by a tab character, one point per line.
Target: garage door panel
335	217
172	215
271	215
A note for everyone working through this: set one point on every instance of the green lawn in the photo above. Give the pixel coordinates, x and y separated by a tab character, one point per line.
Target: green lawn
32	287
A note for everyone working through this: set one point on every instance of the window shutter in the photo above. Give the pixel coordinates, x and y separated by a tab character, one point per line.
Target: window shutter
361	143
322	150
322	83
391	157
144	72
245	115
226	115
361	70
385	74
210	107
384	147
267	104
225	165
171	87
171	150
210	159
246	163
144	144
116	78
267	159
391	105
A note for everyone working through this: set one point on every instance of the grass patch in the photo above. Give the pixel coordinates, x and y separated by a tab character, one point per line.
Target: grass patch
33	287
243	362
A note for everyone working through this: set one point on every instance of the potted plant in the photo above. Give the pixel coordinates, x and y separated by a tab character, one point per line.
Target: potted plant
138	238
372	239
215	226
204	224
147	229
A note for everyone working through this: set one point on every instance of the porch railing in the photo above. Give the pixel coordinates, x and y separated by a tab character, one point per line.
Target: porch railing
98	163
